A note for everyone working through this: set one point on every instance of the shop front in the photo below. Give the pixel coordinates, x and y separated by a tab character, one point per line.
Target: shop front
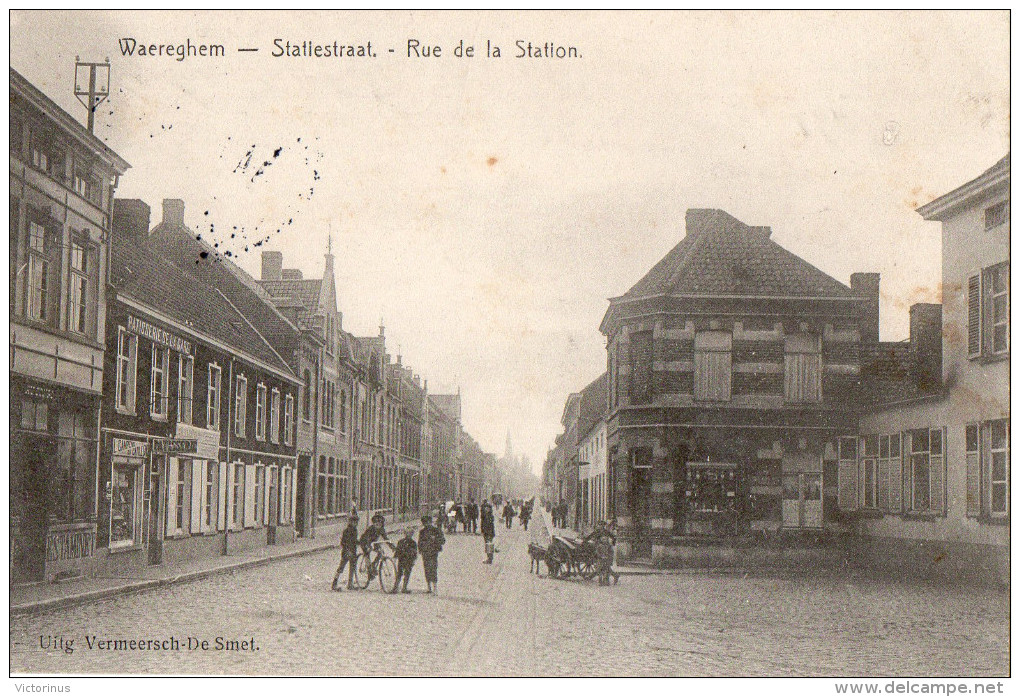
53	462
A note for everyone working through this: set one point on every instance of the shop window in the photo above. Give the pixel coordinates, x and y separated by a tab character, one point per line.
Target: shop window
240	406
212	397
260	412
80	282
127	370
185	387
274	417
35	415
159	393
712	366
803	369
180	510
988	312
72	486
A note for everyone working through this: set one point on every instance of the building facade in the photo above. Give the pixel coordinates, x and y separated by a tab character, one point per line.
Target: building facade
62	182
929	476
732	370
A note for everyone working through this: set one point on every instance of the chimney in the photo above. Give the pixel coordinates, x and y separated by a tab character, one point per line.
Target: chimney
272	266
926	345
866	287
173	211
131	217
292	275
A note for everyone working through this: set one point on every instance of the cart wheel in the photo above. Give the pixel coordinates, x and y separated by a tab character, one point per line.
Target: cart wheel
361	579
587	569
388	575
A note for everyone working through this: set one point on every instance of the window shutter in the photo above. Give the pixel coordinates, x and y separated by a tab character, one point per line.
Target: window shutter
973	470
171	496
974	316
883	482
847	479
938	478
899	475
221	508
197	493
229	498
985	466
249	495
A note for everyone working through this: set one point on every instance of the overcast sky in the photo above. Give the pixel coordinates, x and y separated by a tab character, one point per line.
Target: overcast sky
486	209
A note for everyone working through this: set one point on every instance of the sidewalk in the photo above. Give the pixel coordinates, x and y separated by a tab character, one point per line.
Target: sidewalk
41	597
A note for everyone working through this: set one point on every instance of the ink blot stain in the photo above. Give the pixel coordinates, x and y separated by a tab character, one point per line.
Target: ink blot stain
491	161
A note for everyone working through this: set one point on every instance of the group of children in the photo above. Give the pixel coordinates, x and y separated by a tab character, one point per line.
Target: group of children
429	545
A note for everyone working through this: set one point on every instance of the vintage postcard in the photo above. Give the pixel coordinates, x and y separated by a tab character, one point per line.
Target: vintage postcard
513	344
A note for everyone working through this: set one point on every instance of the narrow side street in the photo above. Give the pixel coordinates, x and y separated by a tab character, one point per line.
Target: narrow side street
499	620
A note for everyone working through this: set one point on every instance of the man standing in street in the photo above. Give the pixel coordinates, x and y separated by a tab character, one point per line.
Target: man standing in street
488	532
430	544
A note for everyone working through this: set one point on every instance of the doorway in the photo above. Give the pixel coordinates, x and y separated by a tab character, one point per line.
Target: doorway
802	500
640	495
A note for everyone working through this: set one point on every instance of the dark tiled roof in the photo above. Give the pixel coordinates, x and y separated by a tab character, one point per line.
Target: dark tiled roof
886	377
594	400
304	291
449	404
722	256
140	271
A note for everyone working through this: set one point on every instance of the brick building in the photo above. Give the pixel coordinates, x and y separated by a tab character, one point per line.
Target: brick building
733	367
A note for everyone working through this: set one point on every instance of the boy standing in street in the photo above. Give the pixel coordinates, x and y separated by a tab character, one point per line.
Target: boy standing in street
348	553
430	544
407	552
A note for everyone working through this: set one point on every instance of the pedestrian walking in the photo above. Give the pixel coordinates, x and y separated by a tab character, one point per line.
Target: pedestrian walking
488	532
430	544
472	517
407	553
459	517
508	515
348	553
525	516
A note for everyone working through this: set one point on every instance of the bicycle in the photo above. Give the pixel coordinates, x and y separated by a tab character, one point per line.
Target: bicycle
380	562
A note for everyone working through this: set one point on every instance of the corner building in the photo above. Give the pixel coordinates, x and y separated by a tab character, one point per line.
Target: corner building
733	366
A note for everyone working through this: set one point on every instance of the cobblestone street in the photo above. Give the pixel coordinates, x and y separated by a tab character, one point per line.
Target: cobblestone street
499	620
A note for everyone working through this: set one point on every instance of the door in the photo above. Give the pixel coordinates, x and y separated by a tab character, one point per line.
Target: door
640	493
802	500
29	538
300	524
154	510
274	504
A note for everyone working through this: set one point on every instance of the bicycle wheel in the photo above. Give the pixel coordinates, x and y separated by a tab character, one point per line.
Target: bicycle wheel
361	575
388	575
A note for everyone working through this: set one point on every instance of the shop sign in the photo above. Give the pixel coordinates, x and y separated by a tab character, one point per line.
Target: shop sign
37	392
175	446
63	545
207	441
129	448
158	335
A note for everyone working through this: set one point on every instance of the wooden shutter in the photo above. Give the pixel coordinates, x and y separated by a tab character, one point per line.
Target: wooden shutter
937	465
171	496
847	479
197	494
641	367
883	473
974	338
249	495
221	498
973	449
266	477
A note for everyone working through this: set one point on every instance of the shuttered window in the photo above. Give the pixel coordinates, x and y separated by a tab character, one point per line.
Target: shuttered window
641	368
197	494
988	312
713	366
974	316
998	468
926	471
869	471
249	496
221	494
803	368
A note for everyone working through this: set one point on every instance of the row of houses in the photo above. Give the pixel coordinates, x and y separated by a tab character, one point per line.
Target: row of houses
747	395
166	405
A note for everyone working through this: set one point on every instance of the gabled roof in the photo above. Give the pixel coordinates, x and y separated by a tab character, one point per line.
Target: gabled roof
722	256
140	272
594	403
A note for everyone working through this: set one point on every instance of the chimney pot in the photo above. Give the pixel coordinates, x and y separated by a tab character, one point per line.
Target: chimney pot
131	217
926	345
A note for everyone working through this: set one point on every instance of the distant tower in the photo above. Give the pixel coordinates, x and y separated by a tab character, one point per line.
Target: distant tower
509	454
